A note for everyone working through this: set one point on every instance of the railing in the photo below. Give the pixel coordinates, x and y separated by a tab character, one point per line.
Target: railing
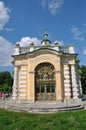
64	49
24	50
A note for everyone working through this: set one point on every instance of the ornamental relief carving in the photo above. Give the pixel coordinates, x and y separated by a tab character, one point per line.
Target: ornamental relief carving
41	58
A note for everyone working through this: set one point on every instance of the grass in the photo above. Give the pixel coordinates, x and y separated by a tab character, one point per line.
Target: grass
27	121
84	95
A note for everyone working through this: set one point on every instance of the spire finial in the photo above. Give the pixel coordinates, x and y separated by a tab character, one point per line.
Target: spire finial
45	42
45	34
45	30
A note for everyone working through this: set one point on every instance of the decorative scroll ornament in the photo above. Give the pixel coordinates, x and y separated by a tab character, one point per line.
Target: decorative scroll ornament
45	72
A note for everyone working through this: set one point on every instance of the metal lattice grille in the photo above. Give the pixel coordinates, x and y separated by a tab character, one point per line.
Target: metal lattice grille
45	82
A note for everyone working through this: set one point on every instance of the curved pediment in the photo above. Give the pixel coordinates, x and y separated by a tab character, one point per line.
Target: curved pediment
38	52
43	51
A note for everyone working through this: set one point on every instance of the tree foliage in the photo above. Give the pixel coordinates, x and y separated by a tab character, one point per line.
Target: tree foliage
6	81
83	79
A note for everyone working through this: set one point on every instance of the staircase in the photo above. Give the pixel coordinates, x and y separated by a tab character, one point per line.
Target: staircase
42	107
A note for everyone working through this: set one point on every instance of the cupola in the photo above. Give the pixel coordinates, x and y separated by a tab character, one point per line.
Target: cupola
45	41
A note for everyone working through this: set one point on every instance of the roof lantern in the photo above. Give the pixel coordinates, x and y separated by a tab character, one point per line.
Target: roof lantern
45	41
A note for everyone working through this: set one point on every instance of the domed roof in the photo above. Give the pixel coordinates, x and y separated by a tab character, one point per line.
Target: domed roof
45	41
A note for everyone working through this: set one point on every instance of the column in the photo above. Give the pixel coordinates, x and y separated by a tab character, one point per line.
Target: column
15	84
74	82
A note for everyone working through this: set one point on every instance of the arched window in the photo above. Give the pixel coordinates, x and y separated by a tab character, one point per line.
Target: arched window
45	82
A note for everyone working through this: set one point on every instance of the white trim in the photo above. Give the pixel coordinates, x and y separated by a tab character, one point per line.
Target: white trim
75	93
67	94
73	76
67	81
22	94
66	72
75	85
23	68
75	90
66	68
22	77
67	90
66	76
67	85
22	86
23	72
71	50
22	82
24	90
24	63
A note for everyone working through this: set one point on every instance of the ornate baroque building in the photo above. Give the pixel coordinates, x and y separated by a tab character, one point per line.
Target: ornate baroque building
45	73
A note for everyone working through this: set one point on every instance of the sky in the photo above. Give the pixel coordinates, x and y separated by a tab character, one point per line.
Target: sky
25	21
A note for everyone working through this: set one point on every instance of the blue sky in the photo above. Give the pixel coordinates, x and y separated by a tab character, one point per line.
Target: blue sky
26	20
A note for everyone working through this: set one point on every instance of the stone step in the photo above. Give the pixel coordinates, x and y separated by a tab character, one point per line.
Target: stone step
44	109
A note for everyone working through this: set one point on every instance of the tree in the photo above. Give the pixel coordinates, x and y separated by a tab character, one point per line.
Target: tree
6	81
83	79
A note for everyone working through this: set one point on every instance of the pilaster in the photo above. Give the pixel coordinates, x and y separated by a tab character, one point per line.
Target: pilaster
58	85
15	84
31	86
22	90
67	82
74	80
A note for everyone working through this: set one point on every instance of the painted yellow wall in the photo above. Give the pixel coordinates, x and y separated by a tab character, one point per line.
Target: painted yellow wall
31	63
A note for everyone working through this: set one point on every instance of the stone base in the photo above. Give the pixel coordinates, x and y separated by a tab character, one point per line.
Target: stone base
42	107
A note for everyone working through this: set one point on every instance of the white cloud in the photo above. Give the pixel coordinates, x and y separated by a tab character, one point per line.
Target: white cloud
43	3
9	29
25	41
54	6
84	24
6	50
4	15
61	42
84	51
79	34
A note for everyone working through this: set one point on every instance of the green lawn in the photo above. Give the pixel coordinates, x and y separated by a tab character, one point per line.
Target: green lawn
58	121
